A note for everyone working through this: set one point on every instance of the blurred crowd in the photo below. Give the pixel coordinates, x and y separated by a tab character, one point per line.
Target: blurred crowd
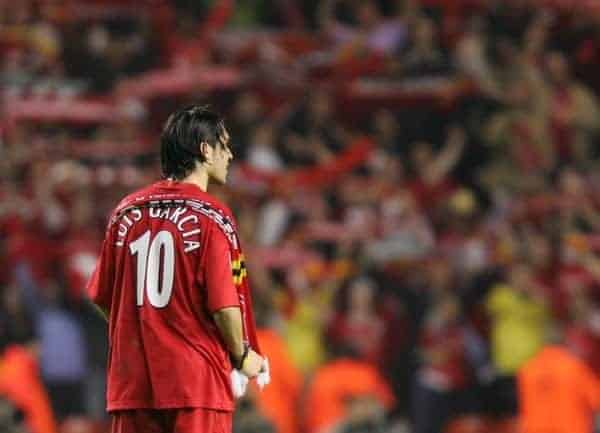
417	183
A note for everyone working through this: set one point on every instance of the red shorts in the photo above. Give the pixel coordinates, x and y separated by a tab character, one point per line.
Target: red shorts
184	420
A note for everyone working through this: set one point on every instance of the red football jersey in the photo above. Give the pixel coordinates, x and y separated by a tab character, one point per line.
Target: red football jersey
163	270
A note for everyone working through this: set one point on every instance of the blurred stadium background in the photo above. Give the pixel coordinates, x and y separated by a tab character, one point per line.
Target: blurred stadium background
417	183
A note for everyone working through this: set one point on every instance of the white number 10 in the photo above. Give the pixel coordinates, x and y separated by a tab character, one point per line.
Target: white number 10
148	267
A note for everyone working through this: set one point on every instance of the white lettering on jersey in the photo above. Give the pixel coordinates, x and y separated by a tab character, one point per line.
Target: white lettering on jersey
137	214
191	246
187	225
184	220
154	212
177	213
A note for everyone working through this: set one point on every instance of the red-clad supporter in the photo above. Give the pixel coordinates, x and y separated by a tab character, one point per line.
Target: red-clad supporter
32	249
79	250
444	370
189	46
433	181
358	323
404	233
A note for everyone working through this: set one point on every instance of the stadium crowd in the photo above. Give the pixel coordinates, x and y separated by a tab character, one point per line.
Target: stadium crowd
417	184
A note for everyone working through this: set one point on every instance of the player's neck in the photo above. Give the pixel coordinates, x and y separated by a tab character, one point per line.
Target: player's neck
198	177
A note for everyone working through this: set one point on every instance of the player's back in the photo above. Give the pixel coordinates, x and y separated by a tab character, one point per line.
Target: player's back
164	348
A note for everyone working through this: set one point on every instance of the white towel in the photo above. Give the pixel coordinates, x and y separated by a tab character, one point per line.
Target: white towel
264	378
239	383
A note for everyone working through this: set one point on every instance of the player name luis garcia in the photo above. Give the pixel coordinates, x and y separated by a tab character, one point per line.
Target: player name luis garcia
184	219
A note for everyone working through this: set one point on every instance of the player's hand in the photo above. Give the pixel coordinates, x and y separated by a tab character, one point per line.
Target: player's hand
264	377
253	364
239	383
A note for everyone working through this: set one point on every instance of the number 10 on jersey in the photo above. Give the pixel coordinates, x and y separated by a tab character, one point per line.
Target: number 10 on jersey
150	253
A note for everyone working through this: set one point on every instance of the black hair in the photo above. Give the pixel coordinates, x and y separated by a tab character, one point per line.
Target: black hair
182	134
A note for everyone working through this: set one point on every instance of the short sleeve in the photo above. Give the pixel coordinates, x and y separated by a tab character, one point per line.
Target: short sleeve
220	289
99	287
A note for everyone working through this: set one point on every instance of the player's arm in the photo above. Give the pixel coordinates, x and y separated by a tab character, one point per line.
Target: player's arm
224	304
229	323
99	287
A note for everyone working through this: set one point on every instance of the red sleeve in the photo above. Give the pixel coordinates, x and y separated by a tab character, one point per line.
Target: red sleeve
99	287
221	291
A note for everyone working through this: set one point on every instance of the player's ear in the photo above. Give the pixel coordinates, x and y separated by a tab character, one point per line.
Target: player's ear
206	151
